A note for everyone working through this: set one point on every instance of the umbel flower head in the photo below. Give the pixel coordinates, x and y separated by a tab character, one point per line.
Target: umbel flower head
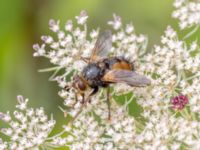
173	67
66	51
187	12
28	128
90	128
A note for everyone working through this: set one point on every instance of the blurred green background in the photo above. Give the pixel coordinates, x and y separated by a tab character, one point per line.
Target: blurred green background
22	22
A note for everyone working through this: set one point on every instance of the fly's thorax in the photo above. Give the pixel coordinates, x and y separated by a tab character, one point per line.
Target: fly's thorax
93	73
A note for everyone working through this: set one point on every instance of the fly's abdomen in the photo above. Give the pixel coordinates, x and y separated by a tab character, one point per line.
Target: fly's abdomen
118	63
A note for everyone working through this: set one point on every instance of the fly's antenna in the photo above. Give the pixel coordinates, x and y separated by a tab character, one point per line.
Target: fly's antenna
85	59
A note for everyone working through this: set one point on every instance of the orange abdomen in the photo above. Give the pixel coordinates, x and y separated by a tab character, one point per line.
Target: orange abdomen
118	63
123	65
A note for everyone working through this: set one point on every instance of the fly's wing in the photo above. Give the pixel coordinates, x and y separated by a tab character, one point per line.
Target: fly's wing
124	76
102	45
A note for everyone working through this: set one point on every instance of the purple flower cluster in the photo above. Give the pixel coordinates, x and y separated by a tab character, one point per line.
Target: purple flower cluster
179	102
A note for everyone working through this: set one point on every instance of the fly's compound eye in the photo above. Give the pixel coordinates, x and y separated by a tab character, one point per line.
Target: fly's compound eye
81	85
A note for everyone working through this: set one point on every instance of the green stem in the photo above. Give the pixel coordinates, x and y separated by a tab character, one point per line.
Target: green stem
54	74
191	33
192	77
193	116
184	113
139	125
49	69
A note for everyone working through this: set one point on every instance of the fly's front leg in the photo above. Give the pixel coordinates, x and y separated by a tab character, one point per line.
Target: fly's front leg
133	65
67	88
83	98
76	94
76	99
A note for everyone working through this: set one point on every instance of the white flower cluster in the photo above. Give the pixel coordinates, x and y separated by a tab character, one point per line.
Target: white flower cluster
173	64
194	92
165	131
92	129
67	53
175	69
28	128
187	12
170	105
69	45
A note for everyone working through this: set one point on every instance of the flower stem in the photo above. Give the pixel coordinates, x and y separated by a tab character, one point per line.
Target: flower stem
191	33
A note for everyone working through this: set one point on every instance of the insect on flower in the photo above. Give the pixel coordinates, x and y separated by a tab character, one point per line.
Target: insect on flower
102	70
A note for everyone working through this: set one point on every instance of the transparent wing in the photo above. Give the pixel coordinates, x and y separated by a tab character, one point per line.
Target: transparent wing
124	76
102	45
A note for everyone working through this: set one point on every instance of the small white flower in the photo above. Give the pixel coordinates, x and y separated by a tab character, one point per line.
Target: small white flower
5	117
193	46
170	33
54	25
47	39
129	28
54	45
116	22
22	103
69	25
94	34
82	18
40	51
61	35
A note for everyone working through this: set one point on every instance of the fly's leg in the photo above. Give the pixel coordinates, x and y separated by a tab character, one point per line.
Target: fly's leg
108	102
86	60
95	90
67	88
76	98
133	65
83	98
